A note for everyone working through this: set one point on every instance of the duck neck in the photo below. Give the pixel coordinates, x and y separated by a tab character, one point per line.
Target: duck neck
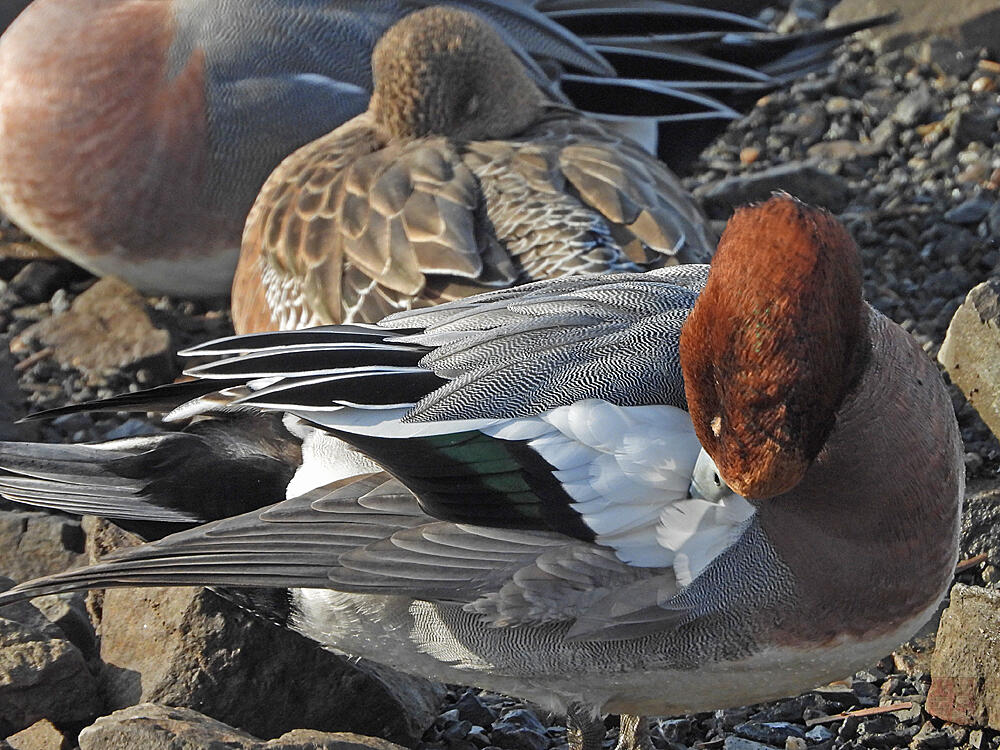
870	534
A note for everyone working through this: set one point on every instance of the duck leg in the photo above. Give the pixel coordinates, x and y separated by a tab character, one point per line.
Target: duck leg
633	733
584	731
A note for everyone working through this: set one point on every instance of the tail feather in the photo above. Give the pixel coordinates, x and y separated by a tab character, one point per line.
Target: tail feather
215	469
664	52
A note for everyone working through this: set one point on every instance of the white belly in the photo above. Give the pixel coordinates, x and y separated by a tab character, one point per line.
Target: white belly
534	663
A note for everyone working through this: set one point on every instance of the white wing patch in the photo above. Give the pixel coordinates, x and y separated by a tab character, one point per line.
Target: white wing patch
629	470
325	458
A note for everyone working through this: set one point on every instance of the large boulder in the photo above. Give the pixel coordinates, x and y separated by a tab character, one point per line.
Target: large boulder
190	647
971	351
42	674
152	727
34	544
965	666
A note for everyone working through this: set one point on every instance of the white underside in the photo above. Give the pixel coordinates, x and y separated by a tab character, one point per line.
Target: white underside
200	272
406	635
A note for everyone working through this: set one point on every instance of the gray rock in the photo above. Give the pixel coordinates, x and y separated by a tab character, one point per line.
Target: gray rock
844	150
993	219
35	544
189	647
819	733
106	329
930	738
152	727
965	666
12	401
971	351
519	730
732	742
946	54
913	108
971	23
37	281
68	612
974	125
771	733
42	677
971	211
42	735
981	531
805	181
473	710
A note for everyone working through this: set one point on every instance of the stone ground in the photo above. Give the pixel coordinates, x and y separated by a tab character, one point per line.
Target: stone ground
901	143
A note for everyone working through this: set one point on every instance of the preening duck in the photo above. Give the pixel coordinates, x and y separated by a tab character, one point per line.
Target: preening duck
135	134
460	177
634	493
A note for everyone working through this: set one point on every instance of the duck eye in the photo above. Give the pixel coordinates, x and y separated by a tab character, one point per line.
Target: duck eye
717	480
716	425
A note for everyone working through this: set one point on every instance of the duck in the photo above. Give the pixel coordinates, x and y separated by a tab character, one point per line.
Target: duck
136	134
640	493
461	176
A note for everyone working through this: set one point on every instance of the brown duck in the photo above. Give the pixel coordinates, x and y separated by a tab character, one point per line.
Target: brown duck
459	178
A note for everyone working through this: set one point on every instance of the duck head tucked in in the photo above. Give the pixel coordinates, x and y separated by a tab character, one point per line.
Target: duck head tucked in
459	177
442	71
778	336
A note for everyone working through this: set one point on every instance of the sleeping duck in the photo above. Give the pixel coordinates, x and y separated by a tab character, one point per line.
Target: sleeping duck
656	493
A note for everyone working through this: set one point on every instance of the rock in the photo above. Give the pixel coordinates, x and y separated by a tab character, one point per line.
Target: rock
974	125
844	150
971	211
37	281
805	181
105	330
971	351
68	612
819	733
35	544
772	733
946	55
981	529
42	735
965	667
190	647
971	24
12	401
519	730
42	677
473	710
913	108
17	250
152	727
732	742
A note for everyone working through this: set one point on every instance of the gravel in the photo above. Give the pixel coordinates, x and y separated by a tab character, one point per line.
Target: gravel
908	143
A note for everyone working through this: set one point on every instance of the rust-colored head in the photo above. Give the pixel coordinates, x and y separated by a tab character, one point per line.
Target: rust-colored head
774	342
443	71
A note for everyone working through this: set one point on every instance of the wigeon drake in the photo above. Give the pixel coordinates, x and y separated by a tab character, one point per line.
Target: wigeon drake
549	506
460	177
135	134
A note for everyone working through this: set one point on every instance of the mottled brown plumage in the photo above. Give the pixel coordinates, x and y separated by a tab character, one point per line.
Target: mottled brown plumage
458	178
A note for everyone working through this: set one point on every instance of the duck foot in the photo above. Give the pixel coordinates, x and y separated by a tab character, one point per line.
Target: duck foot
634	733
584	731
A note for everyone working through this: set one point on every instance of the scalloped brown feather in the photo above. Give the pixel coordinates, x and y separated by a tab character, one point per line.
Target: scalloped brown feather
367	221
